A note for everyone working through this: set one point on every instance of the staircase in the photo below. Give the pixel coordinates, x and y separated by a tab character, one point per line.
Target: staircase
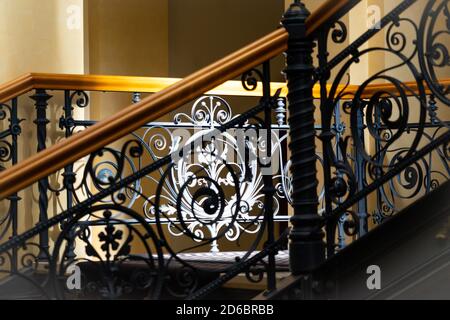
411	249
276	201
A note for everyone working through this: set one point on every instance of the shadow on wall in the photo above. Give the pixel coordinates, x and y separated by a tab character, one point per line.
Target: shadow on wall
203	31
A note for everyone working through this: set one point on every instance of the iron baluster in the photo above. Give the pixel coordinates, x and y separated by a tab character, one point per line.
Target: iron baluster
136	97
14	199
326	136
361	179
338	128
268	190
41	102
69	174
377	171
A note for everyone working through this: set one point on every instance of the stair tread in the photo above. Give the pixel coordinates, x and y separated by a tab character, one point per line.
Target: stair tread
208	261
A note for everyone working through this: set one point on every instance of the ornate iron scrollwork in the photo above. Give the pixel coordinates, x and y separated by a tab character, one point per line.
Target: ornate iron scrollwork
393	122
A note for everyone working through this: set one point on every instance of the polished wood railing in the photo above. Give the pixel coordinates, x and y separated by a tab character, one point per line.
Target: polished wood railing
153	85
156	105
52	81
107	83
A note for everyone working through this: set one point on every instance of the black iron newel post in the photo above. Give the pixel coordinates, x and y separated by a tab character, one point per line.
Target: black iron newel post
306	247
41	102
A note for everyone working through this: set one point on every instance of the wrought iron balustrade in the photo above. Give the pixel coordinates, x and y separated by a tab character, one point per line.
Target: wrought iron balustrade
163	195
388	127
212	199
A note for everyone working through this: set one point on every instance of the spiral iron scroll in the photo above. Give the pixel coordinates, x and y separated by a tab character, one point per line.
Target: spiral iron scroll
390	117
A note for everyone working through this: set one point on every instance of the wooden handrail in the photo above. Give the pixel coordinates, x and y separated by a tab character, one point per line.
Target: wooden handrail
390	88
153	107
52	81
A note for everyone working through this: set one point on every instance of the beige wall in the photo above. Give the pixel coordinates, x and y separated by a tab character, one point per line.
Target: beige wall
126	38
203	31
36	38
